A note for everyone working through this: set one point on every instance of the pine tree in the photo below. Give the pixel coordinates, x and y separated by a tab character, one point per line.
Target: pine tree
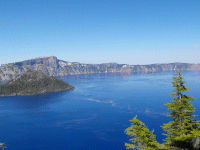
142	137
182	131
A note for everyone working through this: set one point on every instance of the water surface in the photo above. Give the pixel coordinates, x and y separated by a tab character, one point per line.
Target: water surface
94	115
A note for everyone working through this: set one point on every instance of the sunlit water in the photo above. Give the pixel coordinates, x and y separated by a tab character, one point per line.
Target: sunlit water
94	115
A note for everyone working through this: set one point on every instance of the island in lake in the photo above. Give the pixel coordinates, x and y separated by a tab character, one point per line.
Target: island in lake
33	82
56	67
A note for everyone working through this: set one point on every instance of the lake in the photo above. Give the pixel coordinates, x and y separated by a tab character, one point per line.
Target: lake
94	115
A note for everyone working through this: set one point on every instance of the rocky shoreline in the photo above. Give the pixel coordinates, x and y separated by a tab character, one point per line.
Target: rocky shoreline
55	67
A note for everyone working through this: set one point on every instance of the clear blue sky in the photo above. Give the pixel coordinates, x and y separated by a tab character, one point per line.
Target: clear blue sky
101	31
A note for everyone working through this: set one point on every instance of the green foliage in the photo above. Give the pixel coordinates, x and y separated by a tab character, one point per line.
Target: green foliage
33	82
142	137
182	132
182	129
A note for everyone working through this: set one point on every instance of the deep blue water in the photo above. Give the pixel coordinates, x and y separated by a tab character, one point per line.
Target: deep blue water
94	115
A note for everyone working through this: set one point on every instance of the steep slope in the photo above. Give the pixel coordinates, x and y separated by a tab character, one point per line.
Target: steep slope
55	67
33	82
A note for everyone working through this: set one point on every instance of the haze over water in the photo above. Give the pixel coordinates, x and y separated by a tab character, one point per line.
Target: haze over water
94	115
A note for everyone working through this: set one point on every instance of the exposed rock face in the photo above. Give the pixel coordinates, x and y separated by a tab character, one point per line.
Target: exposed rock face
33	82
55	67
50	61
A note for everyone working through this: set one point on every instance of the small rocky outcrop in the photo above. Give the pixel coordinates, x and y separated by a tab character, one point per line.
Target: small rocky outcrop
33	82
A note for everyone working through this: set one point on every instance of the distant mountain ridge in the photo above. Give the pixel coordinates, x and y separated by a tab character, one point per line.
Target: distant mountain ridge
55	67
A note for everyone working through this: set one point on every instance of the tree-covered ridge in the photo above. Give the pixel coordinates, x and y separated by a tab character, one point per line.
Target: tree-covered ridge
33	82
182	133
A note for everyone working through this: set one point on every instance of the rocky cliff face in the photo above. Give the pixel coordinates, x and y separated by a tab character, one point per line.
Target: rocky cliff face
55	67
50	61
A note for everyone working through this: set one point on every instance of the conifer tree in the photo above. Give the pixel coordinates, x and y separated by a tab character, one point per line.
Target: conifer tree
182	131
142	137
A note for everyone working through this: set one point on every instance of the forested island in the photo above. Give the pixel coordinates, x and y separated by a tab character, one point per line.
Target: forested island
33	82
